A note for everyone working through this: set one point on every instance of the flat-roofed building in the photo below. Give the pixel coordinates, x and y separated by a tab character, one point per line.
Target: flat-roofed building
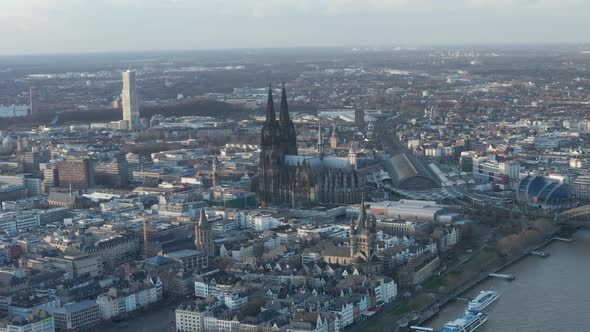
401	228
190	259
113	173
37	321
74	316
411	210
76	173
130	101
190	318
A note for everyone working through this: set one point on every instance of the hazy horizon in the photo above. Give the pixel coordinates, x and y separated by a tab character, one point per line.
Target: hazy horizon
100	26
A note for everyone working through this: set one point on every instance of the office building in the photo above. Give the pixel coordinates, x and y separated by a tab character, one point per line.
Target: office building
112	173
74	316
489	170
76	173
32	186
33	100
130	101
190	260
31	160
50	178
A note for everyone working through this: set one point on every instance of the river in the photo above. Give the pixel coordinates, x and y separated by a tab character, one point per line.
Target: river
548	294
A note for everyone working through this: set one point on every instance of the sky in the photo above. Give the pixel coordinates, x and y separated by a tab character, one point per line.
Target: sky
66	26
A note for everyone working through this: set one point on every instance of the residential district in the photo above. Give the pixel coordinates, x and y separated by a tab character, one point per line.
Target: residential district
360	186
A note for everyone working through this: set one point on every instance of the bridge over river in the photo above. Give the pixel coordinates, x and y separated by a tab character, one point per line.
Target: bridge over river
579	216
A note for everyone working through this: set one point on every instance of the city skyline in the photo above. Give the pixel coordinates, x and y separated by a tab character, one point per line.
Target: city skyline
294	165
67	26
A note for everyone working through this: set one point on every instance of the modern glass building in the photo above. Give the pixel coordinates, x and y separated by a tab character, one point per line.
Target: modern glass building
546	193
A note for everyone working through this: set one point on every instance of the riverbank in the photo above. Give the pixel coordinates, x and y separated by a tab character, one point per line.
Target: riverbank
548	294
485	275
405	312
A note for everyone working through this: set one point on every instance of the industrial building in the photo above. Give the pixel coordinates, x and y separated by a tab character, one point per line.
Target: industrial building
407	172
412	210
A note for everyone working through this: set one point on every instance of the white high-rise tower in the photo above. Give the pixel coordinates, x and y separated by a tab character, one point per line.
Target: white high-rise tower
130	101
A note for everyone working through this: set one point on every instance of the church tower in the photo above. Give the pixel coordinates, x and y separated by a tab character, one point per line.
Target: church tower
204	235
320	144
363	235
214	168
352	156
334	139
288	134
271	155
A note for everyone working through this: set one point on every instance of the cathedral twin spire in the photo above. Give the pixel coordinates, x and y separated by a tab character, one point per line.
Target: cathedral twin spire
270	107
283	128
281	181
284	118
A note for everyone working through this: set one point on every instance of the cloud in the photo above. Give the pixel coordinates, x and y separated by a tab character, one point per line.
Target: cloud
89	25
565	5
272	8
266	8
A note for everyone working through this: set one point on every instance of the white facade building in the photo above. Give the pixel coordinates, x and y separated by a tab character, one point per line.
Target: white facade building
114	303
130	100
221	325
386	292
487	170
225	296
261	222
345	314
189	319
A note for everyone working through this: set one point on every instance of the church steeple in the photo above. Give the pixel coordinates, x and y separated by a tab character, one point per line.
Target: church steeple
320	146
204	235
334	139
288	134
284	117
362	219
271	153
214	167
363	237
271	131
270	107
202	218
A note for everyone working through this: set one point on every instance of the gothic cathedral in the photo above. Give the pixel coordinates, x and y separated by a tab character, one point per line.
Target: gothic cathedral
288	178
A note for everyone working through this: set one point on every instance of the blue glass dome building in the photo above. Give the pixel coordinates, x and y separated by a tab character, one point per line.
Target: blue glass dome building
546	193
